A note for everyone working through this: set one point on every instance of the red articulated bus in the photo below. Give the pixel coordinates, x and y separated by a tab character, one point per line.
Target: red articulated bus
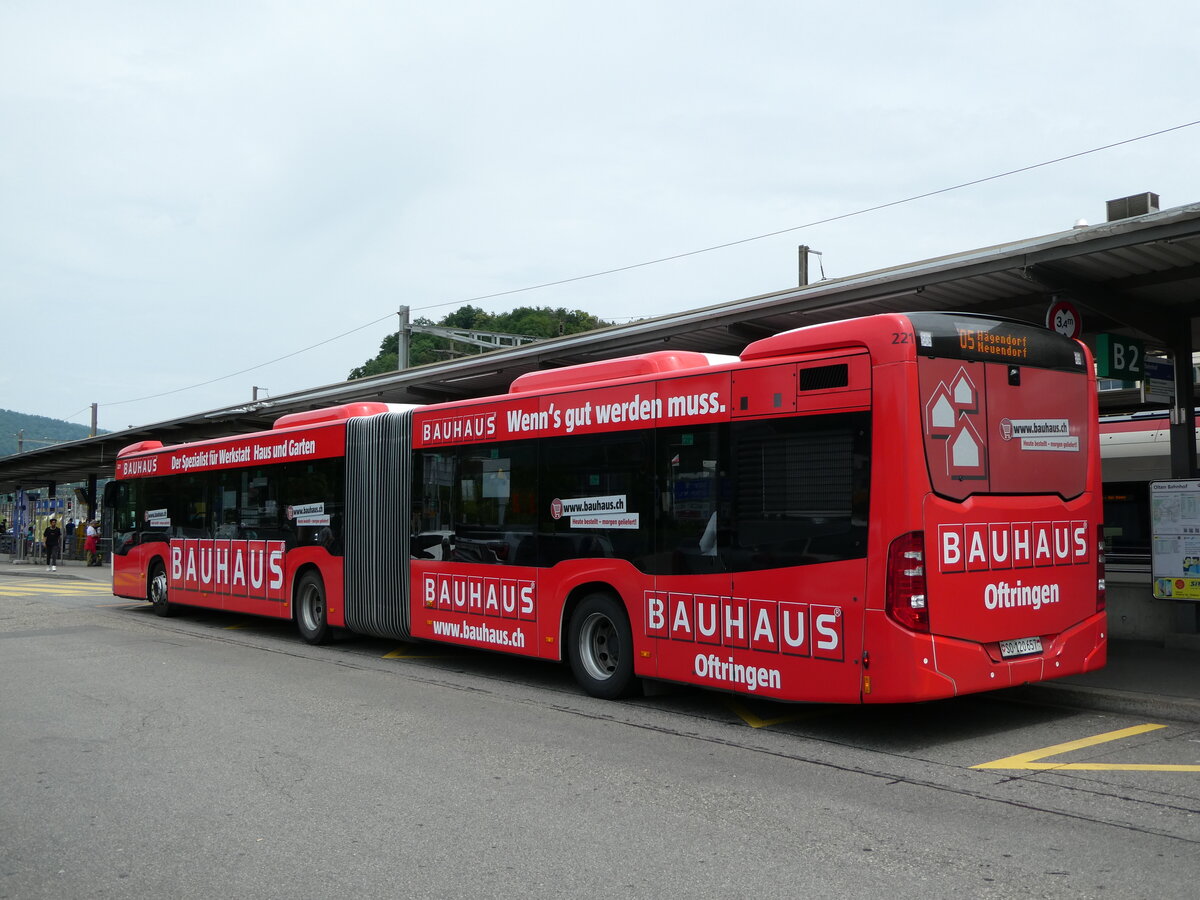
895	508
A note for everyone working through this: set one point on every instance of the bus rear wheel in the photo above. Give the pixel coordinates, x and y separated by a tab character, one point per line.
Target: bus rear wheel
312	613
157	590
600	647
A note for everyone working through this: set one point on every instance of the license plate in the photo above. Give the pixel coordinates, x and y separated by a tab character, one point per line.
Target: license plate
1020	647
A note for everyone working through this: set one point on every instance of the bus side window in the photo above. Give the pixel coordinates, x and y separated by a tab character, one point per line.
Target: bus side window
692	479
610	469
802	490
435	504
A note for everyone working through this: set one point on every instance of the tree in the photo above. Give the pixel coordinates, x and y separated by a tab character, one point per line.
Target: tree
540	321
38	431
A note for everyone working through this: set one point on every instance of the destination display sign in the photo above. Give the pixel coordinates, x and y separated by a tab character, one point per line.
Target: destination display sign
993	340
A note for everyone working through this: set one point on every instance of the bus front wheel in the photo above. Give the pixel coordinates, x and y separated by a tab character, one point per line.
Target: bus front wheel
311	611
157	590
600	647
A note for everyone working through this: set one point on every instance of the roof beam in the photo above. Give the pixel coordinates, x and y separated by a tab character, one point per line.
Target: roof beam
1152	320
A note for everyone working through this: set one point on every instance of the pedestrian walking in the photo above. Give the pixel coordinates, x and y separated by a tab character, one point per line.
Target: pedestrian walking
91	543
52	541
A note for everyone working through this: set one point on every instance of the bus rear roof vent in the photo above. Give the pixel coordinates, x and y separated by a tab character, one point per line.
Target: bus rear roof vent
824	378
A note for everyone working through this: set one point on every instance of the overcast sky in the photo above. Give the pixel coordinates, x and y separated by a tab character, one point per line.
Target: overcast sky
192	190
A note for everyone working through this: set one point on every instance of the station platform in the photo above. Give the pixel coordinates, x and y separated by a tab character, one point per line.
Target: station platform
1142	678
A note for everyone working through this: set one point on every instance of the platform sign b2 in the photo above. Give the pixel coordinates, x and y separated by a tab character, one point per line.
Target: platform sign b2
1119	357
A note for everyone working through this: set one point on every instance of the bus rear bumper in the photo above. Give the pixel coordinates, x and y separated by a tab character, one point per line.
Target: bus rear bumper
947	667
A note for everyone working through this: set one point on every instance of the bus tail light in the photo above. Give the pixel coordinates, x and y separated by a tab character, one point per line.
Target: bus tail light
1101	591
906	596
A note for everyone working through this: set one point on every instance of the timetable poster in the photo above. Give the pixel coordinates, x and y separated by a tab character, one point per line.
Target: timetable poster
1175	536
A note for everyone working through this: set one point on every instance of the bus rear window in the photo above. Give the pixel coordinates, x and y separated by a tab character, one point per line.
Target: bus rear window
1001	428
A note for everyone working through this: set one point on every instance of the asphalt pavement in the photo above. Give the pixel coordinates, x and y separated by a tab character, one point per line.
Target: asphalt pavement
1142	677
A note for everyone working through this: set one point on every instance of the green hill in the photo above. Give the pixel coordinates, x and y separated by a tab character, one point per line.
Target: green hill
39	431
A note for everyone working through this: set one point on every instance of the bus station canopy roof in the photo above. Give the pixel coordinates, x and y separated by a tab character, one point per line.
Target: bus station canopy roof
1136	277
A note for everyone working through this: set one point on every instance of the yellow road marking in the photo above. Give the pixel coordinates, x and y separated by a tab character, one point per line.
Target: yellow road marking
405	653
1033	759
53	585
755	722
35	589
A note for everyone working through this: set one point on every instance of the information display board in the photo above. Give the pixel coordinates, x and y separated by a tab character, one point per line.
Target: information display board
1175	539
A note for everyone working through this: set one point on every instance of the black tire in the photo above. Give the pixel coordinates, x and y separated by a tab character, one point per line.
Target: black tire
600	647
156	590
312	617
